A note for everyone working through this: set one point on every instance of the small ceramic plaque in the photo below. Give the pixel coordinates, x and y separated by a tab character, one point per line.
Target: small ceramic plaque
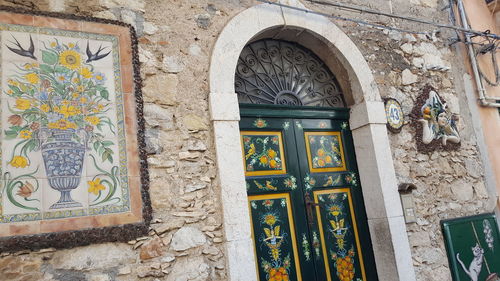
394	114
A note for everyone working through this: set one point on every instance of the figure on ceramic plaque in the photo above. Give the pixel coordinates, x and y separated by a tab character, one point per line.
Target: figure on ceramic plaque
437	122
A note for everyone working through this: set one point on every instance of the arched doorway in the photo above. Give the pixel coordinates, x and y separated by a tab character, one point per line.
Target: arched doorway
367	123
306	205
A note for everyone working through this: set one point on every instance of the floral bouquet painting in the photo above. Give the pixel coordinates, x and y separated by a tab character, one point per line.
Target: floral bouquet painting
58	105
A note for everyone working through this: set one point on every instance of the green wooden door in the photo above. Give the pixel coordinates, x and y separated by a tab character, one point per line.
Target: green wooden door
307	212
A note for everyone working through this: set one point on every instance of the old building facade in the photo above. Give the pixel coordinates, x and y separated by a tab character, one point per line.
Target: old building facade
201	229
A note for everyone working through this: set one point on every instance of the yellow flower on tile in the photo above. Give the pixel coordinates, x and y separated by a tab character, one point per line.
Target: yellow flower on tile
95	186
98	109
25	134
76	80
94	120
99	77
23	104
12	82
69	110
53	44
70	59
83	100
10	92
71	45
45	107
61	78
75	95
19	162
28	66
33	78
86	73
80	88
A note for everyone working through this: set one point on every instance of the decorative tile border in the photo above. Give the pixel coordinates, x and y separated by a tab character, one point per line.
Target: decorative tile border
77	228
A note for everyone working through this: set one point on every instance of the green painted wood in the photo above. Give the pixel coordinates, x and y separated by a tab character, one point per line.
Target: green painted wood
318	182
474	242
256	110
260	187
328	188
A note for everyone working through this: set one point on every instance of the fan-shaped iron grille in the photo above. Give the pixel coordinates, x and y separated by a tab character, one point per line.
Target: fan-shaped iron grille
284	73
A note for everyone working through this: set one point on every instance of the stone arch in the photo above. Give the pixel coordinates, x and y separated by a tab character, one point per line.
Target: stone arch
377	175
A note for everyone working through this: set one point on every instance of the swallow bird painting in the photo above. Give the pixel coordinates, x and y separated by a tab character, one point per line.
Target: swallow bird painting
95	56
30	52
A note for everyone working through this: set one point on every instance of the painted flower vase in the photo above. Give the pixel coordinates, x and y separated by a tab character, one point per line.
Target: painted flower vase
63	159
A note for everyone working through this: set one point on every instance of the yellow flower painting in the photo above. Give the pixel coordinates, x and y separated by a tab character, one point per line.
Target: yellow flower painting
70	59
19	162
95	186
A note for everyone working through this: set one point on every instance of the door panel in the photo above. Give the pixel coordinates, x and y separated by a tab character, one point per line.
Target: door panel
263	153
275	237
306	205
271	170
339	235
328	168
325	152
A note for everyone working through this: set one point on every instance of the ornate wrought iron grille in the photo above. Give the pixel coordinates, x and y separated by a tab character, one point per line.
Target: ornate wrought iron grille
280	72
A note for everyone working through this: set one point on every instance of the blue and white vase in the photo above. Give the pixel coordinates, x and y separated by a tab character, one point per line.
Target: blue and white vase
63	159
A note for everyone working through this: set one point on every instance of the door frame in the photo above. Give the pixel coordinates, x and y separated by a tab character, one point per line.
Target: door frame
368	126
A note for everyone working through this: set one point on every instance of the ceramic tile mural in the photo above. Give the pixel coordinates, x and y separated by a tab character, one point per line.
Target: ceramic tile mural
65	145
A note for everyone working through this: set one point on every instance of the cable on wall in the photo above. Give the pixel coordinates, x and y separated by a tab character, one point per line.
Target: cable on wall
380	26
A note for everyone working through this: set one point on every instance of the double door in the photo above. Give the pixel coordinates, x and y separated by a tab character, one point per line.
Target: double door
307	213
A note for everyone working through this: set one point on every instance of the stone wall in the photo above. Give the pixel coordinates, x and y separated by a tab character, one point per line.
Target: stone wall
186	240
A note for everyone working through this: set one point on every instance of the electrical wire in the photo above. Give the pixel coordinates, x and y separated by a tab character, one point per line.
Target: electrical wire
379	26
363	10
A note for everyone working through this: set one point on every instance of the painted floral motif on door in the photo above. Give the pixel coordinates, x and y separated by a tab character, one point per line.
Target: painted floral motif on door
273	231
263	153
63	143
339	235
324	151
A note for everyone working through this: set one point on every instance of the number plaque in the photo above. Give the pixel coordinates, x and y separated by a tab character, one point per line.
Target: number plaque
395	116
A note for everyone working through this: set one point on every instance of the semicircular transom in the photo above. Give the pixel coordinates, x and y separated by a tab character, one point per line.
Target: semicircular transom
279	72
